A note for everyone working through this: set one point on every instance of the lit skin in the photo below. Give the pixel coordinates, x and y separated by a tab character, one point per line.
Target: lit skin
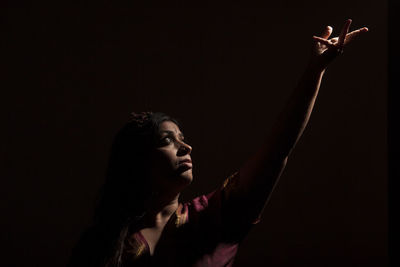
260	173
170	175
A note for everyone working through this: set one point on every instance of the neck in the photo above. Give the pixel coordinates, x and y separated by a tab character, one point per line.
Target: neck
162	207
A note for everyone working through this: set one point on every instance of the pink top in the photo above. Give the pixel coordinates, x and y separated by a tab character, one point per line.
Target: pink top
197	235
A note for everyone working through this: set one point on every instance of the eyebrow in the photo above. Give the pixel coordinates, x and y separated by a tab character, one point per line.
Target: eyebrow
171	132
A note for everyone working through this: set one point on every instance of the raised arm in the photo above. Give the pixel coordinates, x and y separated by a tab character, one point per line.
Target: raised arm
249	191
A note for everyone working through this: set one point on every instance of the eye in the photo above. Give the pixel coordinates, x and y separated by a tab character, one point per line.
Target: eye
166	140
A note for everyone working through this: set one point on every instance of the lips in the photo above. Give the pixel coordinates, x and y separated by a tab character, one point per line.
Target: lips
185	161
185	164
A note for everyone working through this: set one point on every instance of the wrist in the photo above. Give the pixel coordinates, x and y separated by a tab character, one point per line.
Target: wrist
316	66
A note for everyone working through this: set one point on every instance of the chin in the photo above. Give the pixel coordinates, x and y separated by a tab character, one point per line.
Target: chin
186	177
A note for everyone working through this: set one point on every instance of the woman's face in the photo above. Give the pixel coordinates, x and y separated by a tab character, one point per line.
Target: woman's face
171	164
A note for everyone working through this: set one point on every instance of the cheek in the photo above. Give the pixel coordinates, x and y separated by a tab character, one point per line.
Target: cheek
165	159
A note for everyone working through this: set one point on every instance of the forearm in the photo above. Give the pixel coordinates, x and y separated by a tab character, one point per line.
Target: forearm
260	173
265	166
294	117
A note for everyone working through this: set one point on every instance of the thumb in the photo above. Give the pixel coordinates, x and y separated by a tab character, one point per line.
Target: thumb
327	32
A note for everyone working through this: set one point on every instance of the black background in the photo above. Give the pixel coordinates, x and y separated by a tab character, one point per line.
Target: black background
74	72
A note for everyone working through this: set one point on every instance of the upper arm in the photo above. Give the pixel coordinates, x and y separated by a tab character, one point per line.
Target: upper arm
246	192
238	204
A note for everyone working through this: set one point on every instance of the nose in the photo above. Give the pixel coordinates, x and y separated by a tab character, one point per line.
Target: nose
184	149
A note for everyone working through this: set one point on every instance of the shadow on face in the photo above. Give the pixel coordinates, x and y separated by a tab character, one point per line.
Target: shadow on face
171	164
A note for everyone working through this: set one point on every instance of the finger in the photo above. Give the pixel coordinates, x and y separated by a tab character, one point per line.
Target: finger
322	40
334	40
344	32
351	35
327	32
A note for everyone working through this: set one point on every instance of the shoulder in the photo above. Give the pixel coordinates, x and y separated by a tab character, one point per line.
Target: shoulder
213	199
205	209
202	202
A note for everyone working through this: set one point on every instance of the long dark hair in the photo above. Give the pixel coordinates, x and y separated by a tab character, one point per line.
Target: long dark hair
125	193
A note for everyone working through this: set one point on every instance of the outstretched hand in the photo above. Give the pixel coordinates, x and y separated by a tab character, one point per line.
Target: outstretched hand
325	50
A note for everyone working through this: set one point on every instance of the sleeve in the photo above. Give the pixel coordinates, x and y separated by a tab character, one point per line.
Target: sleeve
237	216
220	211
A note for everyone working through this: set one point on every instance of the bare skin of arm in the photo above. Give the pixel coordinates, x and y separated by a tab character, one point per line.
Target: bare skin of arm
260	173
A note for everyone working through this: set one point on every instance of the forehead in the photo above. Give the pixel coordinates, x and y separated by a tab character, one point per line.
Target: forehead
169	126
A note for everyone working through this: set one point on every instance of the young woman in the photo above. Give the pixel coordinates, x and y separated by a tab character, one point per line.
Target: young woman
140	221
